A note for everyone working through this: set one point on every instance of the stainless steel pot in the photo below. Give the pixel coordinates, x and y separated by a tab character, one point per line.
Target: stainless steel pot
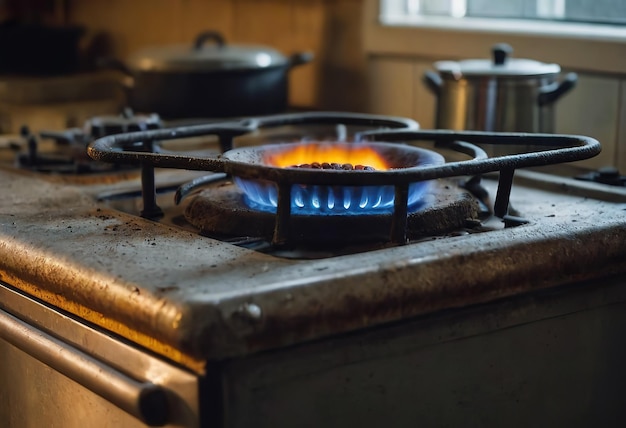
209	79
501	94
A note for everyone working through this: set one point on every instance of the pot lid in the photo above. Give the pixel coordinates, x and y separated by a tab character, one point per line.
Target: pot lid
204	56
501	65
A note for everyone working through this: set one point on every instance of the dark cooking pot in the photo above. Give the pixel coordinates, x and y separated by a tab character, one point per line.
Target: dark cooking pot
210	79
39	50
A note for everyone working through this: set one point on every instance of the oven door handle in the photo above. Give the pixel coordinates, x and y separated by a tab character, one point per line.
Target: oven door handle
144	400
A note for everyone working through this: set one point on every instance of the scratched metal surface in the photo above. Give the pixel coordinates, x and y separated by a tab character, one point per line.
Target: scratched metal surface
191	297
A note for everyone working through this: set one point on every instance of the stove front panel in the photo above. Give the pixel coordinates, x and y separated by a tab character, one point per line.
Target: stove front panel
58	372
546	359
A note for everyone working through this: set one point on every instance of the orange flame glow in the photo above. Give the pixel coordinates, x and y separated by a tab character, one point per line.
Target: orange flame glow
340	153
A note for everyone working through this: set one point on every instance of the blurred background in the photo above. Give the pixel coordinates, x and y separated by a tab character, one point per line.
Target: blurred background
369	55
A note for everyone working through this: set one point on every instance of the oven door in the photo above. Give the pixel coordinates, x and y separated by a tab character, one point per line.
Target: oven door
55	371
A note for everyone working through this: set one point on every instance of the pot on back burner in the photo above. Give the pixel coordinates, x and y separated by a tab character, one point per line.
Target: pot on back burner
209	78
37	50
498	94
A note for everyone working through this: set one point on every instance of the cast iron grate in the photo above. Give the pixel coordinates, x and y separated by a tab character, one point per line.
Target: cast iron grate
138	148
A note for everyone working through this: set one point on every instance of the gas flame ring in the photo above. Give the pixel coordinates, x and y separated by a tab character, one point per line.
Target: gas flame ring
340	199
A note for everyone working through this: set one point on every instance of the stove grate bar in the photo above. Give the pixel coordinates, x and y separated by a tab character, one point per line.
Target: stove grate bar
560	148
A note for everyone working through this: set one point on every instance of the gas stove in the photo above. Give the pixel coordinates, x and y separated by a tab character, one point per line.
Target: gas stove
167	255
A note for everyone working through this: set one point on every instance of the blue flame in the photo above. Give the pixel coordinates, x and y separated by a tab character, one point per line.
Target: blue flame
328	200
262	195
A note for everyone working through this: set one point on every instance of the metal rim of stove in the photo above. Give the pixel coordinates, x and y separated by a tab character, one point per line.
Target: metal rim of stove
138	147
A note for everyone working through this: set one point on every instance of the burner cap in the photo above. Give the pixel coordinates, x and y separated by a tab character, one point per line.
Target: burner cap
221	210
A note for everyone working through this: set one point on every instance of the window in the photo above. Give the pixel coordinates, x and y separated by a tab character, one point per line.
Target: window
582	11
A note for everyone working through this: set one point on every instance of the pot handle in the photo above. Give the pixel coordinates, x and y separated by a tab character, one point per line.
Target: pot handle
554	91
106	63
128	82
300	58
433	82
206	36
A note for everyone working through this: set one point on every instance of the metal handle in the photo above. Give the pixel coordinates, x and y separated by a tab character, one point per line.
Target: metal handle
127	84
553	92
433	82
144	400
202	38
300	58
107	63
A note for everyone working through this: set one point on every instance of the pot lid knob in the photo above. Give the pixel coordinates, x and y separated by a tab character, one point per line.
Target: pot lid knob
202	38
501	52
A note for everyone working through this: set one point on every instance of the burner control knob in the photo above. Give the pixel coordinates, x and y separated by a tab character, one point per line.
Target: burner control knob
605	175
610	175
608	172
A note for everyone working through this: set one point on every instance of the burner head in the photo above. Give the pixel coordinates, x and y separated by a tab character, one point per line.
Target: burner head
69	155
221	210
354	158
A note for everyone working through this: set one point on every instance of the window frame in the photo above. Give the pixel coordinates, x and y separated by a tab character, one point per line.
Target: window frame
579	47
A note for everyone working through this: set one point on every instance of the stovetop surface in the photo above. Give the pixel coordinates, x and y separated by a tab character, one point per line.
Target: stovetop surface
187	296
80	246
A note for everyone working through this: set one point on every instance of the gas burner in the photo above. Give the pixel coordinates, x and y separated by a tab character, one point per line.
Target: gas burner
68	155
313	199
101	126
221	210
244	164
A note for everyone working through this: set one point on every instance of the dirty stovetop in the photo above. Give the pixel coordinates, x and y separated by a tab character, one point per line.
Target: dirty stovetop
192	298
